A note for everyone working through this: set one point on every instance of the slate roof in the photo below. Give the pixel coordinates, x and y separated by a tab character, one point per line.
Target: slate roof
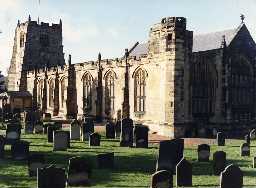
202	42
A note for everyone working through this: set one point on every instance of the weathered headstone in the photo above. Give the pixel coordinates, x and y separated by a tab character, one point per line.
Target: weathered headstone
184	173
2	144
87	129
60	140
245	149
29	127
75	130
94	139
170	154
247	139
106	160
162	179
253	134
231	177
51	177
79	172
110	130
220	139
38	129
20	150
118	129
203	151
126	138
141	136
35	161
219	162
13	132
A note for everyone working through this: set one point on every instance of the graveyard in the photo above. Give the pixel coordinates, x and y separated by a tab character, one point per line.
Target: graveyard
132	167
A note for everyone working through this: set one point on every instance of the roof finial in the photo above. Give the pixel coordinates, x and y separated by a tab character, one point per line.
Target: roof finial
242	18
29	18
223	42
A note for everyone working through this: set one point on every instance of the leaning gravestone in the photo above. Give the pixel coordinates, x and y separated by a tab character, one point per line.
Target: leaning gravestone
35	161
141	136
75	130
13	132
231	177
94	139
220	139
87	129
106	160
60	140
247	139
2	144
51	177
39	128
253	134
20	150
118	129
219	162
203	151
162	179
126	138
110	130
184	173
245	149
29	127
79	172
170	154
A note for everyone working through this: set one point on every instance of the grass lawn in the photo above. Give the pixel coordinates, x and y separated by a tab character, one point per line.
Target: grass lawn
133	167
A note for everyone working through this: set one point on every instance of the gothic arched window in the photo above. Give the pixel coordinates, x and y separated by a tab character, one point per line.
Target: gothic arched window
139	90
109	92
87	91
51	93
63	87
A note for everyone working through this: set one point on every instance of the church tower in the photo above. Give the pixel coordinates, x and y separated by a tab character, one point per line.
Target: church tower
36	45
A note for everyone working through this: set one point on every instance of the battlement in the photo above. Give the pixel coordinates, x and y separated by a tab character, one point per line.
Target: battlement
170	22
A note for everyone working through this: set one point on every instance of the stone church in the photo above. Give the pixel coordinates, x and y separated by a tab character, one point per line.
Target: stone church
177	83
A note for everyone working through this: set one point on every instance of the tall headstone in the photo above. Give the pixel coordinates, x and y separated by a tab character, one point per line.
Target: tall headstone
126	138
220	139
118	129
20	150
141	136
79	172
219	162
203	151
245	149
60	140
50	130
231	177
35	161
162	179
87	129
184	173
75	130
51	177
170	154
110	130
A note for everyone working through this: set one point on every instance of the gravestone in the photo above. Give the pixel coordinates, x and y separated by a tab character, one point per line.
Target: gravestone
75	130
231	177
2	144
60	140
106	160
254	162
247	139
219	162
29	127
50	130
220	139
94	139
170	154
162	179
79	172
20	150
245	149
253	134
118	129
35	161
184	173
45	127
110	130
87	129
203	151
141	136
13	132
39	128
51	176
126	138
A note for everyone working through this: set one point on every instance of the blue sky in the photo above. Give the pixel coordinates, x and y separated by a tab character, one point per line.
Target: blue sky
110	26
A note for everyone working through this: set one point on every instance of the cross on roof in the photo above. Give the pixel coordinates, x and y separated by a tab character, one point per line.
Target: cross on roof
242	18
